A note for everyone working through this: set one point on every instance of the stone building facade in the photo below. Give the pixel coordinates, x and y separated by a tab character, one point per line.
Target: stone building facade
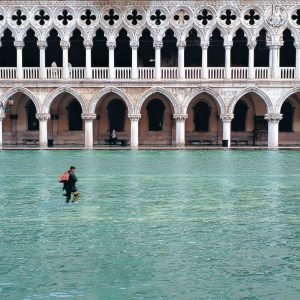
159	72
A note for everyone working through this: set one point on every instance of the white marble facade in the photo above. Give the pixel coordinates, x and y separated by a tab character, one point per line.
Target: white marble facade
264	89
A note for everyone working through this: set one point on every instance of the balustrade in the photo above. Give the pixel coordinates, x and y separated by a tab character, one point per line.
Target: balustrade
216	72
8	73
54	73
262	72
100	73
169	73
76	72
31	73
193	73
287	73
239	73
146	73
123	73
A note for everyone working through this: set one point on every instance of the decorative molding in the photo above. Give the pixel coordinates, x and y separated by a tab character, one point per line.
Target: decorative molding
273	118
180	117
19	44
43	116
226	117
65	44
134	117
42	44
88	116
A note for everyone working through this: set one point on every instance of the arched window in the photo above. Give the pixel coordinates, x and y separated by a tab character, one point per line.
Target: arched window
193	52
75	111
261	51
53	50
77	51
169	51
286	124
146	52
239	50
288	50
239	120
31	52
123	55
32	122
156	110
201	116
116	114
8	52
216	50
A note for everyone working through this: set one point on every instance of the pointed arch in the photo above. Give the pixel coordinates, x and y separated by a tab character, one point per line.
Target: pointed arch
177	33
8	94
24	32
140	30
129	32
293	30
284	97
14	34
98	97
248	90
222	30
46	32
246	31
51	97
94	30
267	28
200	33
157	90
189	98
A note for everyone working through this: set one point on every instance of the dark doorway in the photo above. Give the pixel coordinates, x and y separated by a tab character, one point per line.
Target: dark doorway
193	51
286	123
201	116
53	50
116	114
77	50
155	110
74	114
288	51
8	52
31	52
146	52
169	51
216	50
239	50
99	50
32	122
123	51
261	51
239	121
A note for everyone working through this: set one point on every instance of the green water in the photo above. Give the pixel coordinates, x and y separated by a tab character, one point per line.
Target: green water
151	225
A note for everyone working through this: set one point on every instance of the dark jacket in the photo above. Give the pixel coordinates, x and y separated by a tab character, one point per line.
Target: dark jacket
70	185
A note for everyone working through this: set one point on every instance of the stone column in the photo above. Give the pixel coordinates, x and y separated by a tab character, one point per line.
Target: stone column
111	52
134	135
89	129
19	45
275	61
228	61
181	46
273	121
251	71
204	61
1	132
134	67
88	59
226	119
42	45
297	71
158	45
43	119
180	129
65	46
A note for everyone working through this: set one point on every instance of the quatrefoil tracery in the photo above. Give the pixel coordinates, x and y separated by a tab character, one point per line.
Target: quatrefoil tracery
111	17
228	17
205	17
65	17
158	17
181	17
41	17
19	17
134	17
252	17
296	17
88	17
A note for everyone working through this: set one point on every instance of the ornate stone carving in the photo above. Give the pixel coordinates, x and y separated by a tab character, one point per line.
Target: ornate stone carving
19	44
134	117
88	116
181	17
226	117
42	44
65	44
181	44
274	118
180	117
276	16
43	116
88	45
134	44
157	44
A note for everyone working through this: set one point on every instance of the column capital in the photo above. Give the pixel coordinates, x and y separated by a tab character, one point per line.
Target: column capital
277	45
65	44
158	44
134	117
297	45
88	45
273	117
181	44
43	116
42	44
19	44
204	46
226	117
228	45
111	45
134	44
88	116
252	45
180	117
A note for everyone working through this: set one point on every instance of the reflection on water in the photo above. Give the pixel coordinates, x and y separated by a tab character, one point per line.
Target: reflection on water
151	225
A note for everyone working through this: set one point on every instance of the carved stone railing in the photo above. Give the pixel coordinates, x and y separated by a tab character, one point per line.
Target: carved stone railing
193	73
239	73
287	73
146	73
31	73
169	72
77	72
100	73
54	73
8	73
123	73
262	72
216	72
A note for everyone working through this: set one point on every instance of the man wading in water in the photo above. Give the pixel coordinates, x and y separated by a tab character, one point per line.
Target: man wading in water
70	186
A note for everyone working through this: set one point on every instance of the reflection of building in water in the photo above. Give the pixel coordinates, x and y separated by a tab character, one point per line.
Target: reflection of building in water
160	75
